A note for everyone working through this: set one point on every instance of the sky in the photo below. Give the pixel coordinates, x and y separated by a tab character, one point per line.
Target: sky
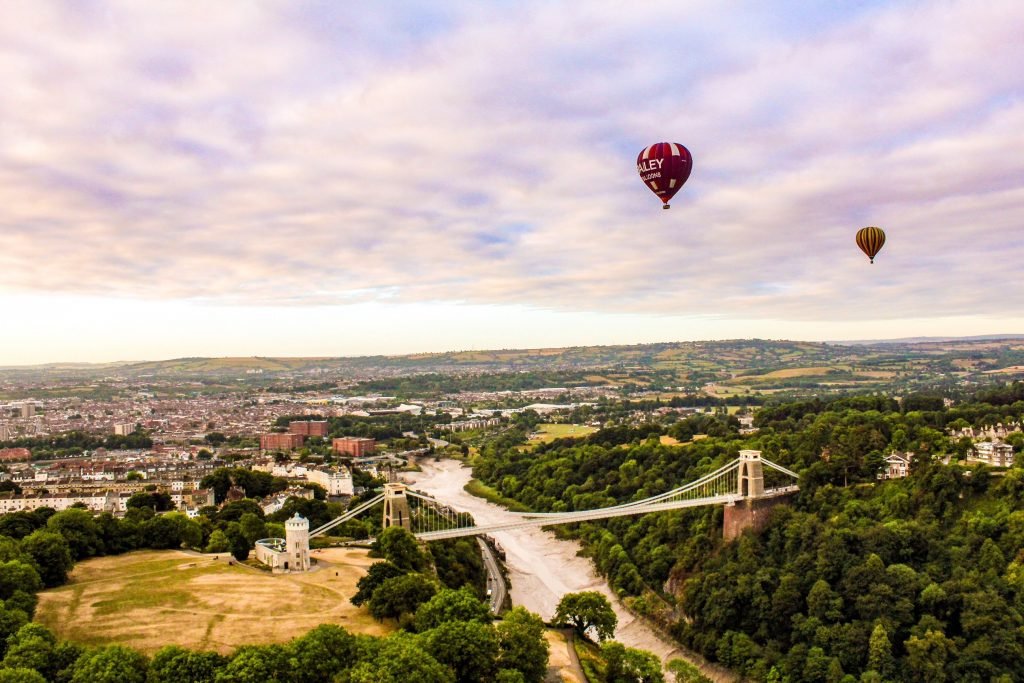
290	178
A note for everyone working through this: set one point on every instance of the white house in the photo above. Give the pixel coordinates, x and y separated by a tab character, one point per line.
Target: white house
994	453
897	466
337	482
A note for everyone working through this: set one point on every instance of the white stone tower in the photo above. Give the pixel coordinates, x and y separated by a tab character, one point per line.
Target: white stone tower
296	532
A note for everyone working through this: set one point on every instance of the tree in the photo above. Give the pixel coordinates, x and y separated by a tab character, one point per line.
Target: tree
80	531
378	573
162	532
215	438
172	664
322	654
110	664
399	547
19	524
256	664
685	672
585	611
469	648
880	652
400	660
239	543
823	603
21	675
158	501
234	511
252	527
927	657
189	531
452	605
51	553
16	575
32	647
11	620
218	542
23	600
629	665
401	595
522	645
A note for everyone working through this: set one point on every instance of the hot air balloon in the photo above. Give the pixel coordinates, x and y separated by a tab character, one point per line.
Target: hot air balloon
870	241
664	166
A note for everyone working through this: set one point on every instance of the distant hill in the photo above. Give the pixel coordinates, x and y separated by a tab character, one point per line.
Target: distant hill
926	340
724	369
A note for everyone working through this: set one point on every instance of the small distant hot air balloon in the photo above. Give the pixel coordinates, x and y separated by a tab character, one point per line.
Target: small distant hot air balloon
870	241
664	167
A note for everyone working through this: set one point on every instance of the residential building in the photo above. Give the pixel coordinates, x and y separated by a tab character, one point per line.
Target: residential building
309	427
994	453
337	482
277	441
124	428
897	466
107	501
355	446
15	454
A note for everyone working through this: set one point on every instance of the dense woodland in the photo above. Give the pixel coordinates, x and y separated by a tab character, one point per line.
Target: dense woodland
919	579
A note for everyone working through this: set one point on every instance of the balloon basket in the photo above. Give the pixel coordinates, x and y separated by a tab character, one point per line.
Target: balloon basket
666	206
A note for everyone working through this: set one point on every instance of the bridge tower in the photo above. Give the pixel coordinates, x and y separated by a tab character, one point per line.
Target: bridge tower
750	475
752	512
396	507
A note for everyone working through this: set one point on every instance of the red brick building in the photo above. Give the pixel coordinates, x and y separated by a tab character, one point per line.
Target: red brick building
283	442
309	427
9	454
356	446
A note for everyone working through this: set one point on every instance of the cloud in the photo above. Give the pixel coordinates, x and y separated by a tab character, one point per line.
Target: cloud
315	154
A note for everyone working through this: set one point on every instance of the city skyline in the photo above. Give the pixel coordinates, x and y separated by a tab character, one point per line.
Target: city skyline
304	179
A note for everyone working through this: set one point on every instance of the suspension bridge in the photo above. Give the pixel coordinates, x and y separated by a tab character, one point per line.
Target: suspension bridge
739	486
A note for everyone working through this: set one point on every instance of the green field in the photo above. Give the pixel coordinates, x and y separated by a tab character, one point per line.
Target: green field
550	432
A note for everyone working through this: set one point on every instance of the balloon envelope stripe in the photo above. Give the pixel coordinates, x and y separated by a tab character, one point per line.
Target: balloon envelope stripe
870	240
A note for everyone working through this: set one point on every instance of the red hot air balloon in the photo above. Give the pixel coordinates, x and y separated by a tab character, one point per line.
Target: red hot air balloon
664	167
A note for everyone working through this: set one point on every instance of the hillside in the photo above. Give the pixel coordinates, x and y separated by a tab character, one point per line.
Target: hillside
716	368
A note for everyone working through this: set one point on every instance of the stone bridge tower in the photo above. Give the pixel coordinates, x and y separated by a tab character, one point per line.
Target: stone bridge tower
750	475
753	510
396	507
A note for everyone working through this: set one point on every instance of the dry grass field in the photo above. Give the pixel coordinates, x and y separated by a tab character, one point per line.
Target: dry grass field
149	599
785	374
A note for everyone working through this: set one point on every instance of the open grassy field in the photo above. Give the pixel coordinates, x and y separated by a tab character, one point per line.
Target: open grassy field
785	374
149	599
550	432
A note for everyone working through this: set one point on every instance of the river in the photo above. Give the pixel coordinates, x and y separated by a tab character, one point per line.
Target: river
542	568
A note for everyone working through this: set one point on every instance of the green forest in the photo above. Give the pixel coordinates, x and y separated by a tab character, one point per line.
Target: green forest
915	579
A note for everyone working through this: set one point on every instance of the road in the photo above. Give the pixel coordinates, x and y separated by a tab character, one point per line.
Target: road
495	581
